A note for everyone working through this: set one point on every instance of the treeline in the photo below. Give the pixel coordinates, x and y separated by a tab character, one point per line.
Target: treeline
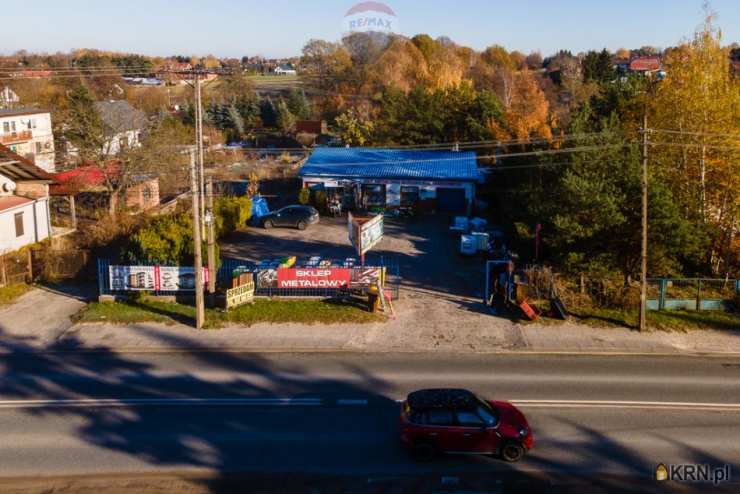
384	91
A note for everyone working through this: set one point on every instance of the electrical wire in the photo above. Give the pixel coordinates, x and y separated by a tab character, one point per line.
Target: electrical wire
684	132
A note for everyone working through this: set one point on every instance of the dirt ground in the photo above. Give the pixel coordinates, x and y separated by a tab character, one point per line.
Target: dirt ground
441	292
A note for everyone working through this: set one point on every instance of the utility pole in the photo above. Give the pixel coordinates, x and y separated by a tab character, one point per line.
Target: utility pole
211	243
199	144
644	253
198	264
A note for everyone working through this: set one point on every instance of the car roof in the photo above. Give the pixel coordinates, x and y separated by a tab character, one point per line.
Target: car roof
441	398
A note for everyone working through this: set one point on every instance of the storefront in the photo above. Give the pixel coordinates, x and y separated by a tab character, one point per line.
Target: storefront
365	178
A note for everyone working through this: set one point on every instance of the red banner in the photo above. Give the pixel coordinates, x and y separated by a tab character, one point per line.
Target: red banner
298	278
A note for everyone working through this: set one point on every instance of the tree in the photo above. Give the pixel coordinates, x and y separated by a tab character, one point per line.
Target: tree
268	112
597	67
299	105
700	97
597	216
534	60
354	128
526	110
285	119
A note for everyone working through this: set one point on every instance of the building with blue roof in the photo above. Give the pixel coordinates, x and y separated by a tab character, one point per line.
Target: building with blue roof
364	178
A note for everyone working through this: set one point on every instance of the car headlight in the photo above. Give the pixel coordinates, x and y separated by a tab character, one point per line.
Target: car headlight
523	432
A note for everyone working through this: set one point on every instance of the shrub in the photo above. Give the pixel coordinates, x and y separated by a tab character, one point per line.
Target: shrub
304	196
232	213
319	200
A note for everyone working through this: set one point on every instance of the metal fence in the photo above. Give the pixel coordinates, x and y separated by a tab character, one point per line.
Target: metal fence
693	294
389	267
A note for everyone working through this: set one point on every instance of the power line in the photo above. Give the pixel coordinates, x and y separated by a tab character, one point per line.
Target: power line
708	134
691	145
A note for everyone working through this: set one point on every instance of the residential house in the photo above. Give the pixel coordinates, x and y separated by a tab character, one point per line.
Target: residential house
124	125
24	202
285	69
8	98
28	132
646	65
365	178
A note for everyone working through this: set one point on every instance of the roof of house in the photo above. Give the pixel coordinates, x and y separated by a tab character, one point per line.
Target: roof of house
79	179
17	112
645	64
10	202
120	116
392	164
20	169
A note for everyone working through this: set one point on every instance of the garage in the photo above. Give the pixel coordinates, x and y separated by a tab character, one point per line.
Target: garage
451	200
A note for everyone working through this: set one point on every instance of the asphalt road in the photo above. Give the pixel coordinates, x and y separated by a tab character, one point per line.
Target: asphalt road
593	418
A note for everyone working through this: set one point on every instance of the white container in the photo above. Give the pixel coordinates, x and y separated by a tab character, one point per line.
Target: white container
468	246
481	240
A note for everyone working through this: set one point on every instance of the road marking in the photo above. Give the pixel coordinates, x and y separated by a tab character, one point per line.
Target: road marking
169	402
665	405
626	404
351	402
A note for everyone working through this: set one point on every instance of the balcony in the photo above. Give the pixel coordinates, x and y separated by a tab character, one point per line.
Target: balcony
16	137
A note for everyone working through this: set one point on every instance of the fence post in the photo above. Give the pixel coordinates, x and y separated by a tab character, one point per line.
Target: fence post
101	277
29	262
3	272
698	294
663	289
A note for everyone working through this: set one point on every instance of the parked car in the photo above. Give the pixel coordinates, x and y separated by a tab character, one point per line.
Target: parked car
300	217
456	421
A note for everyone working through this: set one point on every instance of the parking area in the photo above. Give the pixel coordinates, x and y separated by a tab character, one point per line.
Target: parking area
425	251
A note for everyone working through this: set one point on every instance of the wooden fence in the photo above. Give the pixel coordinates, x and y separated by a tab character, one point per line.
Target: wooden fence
16	267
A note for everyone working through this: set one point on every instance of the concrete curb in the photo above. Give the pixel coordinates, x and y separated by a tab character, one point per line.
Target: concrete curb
249	350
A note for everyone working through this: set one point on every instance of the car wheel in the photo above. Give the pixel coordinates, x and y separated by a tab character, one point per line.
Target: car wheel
512	452
301	225
424	451
268	224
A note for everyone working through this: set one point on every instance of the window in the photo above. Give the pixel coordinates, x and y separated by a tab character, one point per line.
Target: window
6	127
374	194
12	126
147	194
123	142
18	224
33	123
488	415
409	196
468	419
439	417
39	148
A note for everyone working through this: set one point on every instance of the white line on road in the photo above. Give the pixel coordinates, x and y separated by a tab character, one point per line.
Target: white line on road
132	402
314	402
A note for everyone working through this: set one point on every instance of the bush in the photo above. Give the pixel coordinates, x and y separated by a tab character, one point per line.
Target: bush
304	196
232	213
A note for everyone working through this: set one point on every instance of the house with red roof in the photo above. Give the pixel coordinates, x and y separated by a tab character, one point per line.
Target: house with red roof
24	202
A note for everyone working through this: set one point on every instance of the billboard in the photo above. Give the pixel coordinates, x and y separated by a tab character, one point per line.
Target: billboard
153	278
364	234
302	278
370	17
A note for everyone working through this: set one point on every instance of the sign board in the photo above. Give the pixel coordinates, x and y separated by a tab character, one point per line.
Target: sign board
240	295
364	234
298	278
153	278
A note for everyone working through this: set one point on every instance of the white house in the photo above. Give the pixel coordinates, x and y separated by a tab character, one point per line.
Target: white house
285	70
8	98
24	202
28	132
123	123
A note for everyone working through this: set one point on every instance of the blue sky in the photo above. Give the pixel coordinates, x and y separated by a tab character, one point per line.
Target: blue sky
281	27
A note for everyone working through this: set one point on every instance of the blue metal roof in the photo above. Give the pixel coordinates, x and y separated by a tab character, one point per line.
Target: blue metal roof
391	164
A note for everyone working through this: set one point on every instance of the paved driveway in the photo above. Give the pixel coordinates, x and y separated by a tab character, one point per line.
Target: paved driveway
427	254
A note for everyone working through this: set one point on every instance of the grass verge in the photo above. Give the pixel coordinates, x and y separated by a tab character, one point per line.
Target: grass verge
664	320
9	293
262	311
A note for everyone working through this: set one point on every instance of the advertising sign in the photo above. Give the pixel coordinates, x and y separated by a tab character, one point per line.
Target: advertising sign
299	278
364	234
240	295
153	278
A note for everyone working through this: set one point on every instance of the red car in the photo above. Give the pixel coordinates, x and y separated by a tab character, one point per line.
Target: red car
456	421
